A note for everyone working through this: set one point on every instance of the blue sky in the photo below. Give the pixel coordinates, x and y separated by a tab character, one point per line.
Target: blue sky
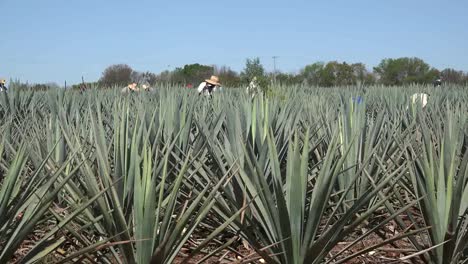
57	40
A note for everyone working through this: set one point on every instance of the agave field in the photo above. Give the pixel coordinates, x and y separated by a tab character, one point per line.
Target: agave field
303	175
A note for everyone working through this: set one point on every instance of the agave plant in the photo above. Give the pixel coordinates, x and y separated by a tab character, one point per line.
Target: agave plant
141	207
25	199
291	196
440	175
168	176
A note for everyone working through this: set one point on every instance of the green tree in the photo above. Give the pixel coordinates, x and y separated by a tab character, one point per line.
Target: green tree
227	76
453	76
405	71
345	75
165	77
85	85
192	73
337	74
370	79
254	68
312	73
144	77
197	72
362	75
287	78
44	87
118	74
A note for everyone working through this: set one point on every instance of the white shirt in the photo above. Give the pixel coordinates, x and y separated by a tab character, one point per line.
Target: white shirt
202	85
253	89
421	97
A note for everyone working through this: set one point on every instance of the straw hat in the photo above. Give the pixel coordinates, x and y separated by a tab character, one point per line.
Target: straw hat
214	80
2	81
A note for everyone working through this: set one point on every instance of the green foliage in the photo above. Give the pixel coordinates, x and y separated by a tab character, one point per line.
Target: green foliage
440	176
192	73
116	75
254	71
145	78
253	68
399	71
336	74
42	87
286	79
85	85
18	85
301	175
21	86
228	77
312	73
453	76
405	71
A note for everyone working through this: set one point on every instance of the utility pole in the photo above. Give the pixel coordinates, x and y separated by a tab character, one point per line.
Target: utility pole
274	67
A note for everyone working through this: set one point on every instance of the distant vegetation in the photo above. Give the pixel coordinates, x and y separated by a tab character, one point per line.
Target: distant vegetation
388	72
399	71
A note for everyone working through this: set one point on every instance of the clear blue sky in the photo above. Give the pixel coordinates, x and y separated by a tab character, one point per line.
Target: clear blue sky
58	40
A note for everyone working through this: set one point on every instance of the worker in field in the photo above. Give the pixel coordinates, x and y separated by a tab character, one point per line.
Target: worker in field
421	98
146	87
3	87
438	82
254	88
133	87
209	86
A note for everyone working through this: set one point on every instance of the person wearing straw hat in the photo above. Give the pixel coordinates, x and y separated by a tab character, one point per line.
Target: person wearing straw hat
3	85
209	86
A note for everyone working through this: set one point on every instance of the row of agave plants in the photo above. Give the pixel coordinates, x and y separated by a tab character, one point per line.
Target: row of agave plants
157	178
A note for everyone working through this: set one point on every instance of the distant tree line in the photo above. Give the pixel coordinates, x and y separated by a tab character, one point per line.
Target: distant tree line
388	72
21	86
398	71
